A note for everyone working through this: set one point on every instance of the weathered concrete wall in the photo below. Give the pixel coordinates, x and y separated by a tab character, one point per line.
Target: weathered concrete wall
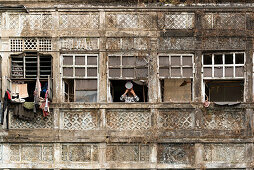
151	135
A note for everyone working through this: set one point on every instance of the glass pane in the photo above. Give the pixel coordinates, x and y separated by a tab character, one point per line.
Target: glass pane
114	61
68	60
164	72
129	61
239	72
67	71
218	72
187	60
91	60
114	72
187	72
207	71
91	72
176	72
86	96
80	72
175	60
128	72
86	84
229	72
80	60
163	61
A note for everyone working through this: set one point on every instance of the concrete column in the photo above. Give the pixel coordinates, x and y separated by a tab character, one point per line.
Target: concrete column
248	87
102	155
57	78
102	118
197	79
249	155
102	65
153	77
153	156
199	150
56	113
57	153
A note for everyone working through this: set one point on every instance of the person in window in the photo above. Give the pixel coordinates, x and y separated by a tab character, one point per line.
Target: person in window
129	95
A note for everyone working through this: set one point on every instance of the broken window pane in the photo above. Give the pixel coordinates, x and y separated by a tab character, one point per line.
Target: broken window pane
82	84
218	59
114	61
207	59
164	72
175	60
67	60
69	90
80	60
176	72
128	72
141	61
218	71
91	72
228	58
67	71
207	71
163	61
86	96
187	60
128	61
187	72
239	58
141	72
91	60
229	72
114	72
80	72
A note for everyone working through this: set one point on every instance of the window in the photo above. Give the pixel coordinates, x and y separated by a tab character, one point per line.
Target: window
176	73
80	77
25	68
223	76
223	65
123	68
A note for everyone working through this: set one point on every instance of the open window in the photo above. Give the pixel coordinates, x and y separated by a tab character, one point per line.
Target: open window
25	68
80	77
124	68
176	74
223	76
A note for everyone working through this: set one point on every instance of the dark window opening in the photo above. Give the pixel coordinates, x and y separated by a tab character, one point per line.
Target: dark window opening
224	90
207	59
218	59
176	90
118	88
239	58
229	59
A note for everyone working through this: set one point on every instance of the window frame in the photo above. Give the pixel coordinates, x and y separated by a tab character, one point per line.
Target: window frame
74	77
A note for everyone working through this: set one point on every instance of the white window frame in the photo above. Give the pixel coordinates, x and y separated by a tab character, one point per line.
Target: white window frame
79	77
221	65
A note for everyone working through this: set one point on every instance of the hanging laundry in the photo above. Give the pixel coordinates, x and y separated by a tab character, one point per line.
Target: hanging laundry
7	99
23	91
37	91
